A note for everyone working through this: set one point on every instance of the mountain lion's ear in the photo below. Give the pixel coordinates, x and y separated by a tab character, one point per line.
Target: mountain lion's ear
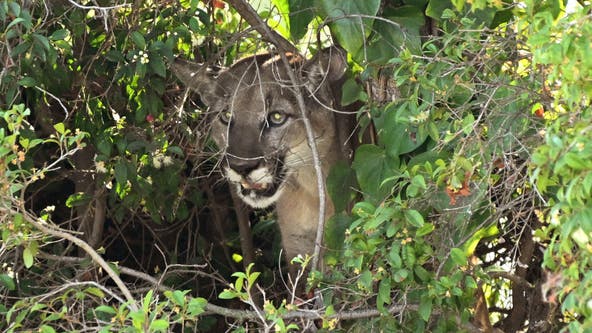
197	77
326	67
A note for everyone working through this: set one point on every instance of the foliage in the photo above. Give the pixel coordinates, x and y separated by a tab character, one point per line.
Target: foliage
471	203
561	165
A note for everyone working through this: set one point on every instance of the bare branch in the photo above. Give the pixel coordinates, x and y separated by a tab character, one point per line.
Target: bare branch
512	277
98	7
248	314
247	12
56	232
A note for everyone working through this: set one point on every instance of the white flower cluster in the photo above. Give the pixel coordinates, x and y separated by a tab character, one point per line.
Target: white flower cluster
142	56
159	159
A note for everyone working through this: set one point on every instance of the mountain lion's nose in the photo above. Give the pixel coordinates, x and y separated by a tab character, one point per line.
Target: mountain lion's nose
243	165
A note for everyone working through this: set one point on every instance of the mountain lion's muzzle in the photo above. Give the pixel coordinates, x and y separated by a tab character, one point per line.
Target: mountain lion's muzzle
258	181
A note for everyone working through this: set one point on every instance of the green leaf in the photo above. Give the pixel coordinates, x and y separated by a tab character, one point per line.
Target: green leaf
394	256
41	40
35	142
179	297
138	39
467	123
471	283
59	34
14	22
104	145
425	307
7	282
227	294
399	135
194	24
196	306
60	128
121	172
348	27
400	275
28	257
335	236
27	82
425	230
384	293
46	329
365	280
78	199
37	307
114	56
576	162
372	167
147	300
157	65
301	13
382	214
252	278
436	8
408	254
283	9
175	150
417	183
414	218
159	325
458	256
95	291
422	273
106	309
363	209
12	6
471	244
238	284
352	92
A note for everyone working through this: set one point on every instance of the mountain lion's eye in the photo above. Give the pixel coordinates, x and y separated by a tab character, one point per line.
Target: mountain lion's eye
225	116
276	118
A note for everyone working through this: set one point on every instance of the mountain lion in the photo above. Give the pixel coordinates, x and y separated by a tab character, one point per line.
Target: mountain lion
261	132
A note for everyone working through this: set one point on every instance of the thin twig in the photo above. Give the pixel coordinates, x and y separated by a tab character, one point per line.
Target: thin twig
78	284
98	7
57	99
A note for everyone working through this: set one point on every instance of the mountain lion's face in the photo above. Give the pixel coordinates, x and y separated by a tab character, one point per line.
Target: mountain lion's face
258	124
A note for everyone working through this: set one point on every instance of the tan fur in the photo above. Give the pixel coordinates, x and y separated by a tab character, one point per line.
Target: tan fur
250	100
